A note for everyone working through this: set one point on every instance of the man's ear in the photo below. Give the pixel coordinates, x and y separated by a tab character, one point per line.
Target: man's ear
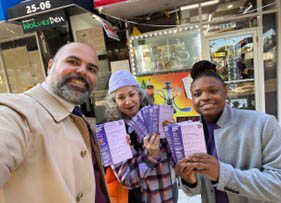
50	64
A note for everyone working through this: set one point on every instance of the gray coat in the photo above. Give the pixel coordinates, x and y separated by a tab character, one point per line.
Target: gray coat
248	145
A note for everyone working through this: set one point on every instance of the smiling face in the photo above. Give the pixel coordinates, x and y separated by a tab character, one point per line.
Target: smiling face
127	100
73	73
208	97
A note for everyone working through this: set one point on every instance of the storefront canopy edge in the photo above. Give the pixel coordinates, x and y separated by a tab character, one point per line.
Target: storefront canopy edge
4	5
34	7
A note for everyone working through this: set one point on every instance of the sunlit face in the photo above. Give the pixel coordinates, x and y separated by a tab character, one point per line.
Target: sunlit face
208	97
127	100
73	73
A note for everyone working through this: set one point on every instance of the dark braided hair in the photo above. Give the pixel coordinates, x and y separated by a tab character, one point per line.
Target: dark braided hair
204	68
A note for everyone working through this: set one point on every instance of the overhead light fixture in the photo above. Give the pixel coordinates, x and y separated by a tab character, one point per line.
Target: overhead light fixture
248	8
230	6
210	18
208	28
208	3
189	7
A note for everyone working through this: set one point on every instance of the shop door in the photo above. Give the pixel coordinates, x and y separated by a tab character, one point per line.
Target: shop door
236	57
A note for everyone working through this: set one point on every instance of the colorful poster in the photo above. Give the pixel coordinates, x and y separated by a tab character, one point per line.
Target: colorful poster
169	89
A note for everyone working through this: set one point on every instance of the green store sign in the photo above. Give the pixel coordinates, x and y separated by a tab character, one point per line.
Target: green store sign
45	21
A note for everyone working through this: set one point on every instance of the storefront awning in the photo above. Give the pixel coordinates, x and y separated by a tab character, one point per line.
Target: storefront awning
4	5
31	8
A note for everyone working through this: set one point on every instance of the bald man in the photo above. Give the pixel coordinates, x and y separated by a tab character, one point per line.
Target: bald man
47	153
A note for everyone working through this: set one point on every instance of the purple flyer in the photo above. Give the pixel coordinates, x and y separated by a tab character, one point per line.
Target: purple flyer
177	141
104	147
155	118
166	112
193	138
146	118
168	134
113	142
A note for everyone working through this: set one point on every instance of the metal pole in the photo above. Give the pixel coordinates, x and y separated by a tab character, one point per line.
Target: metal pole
260	97
278	59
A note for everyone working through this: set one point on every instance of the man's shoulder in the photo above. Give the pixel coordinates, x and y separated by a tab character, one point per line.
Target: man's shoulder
10	98
18	102
22	102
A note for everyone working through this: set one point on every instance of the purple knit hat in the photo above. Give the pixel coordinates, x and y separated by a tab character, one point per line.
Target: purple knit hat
120	79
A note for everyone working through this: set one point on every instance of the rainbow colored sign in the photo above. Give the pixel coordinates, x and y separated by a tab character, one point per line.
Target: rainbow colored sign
169	89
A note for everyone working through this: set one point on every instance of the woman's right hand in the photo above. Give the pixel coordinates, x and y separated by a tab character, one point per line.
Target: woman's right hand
185	170
152	145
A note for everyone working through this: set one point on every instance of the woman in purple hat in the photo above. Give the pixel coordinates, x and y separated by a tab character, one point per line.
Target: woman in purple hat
150	169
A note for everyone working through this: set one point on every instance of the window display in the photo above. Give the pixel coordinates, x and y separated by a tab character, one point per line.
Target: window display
234	57
165	50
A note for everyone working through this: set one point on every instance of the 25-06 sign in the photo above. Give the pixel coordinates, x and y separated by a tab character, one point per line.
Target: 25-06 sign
42	6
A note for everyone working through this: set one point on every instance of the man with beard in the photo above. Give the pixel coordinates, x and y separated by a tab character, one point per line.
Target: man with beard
48	153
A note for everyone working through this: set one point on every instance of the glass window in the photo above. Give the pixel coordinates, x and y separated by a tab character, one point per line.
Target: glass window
234	57
166	50
21	59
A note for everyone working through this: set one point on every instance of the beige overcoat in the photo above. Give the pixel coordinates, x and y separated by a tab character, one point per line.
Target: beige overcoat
45	151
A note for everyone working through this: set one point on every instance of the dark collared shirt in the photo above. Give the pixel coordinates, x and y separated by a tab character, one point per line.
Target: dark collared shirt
209	127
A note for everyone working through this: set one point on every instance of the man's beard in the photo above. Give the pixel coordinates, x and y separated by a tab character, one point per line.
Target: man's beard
74	95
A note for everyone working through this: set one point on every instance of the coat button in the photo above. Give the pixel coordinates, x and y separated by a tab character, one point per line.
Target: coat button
83	153
79	196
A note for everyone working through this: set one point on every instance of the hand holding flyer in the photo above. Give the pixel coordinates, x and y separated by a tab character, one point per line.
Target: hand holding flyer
113	142
149	120
184	139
